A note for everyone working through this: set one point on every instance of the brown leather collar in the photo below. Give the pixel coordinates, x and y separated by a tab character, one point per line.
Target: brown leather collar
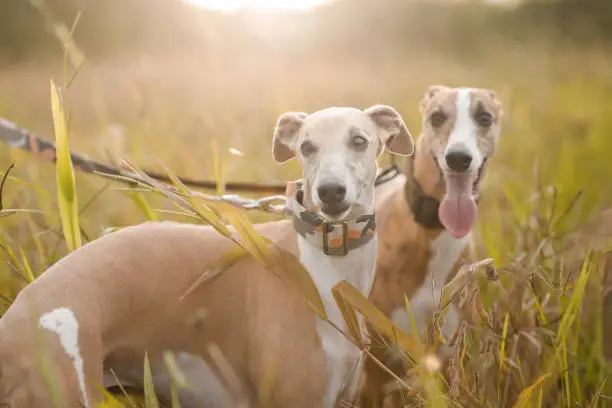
424	207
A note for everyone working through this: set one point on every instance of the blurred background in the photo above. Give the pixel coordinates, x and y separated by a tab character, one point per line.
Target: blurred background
198	85
189	82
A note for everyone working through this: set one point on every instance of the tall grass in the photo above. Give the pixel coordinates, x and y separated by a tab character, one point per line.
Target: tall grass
535	337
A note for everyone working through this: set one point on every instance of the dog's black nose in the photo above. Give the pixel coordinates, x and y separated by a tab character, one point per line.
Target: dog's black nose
331	193
458	161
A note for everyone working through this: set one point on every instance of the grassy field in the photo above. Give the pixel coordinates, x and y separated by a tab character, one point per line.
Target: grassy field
189	112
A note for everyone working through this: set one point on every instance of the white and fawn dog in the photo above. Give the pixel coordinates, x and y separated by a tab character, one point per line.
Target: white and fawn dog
425	218
108	303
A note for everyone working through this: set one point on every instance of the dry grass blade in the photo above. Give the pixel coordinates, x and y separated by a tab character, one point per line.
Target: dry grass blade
350	318
413	325
466	275
65	175
291	271
179	193
353	298
526	395
598	395
251	240
6	173
229	258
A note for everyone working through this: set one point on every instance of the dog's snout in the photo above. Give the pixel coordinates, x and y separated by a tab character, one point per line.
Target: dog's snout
458	161
331	193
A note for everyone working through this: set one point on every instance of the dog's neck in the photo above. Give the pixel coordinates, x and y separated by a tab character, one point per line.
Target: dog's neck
424	188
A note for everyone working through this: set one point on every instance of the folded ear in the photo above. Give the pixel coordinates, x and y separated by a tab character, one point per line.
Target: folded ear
499	107
285	135
393	131
429	94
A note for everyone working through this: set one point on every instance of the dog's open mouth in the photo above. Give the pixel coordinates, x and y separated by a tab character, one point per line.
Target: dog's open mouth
458	209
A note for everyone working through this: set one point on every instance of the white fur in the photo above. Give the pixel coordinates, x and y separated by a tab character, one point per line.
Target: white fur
344	359
445	252
63	322
464	136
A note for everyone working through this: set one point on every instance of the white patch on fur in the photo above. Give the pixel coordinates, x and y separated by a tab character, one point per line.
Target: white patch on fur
63	322
464	136
445	252
344	359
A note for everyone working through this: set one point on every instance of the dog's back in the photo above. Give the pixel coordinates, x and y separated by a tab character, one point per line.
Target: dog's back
241	312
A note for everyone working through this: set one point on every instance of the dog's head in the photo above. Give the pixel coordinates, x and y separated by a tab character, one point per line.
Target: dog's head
461	128
337	148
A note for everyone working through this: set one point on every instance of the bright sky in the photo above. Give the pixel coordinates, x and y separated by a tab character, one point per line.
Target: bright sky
230	5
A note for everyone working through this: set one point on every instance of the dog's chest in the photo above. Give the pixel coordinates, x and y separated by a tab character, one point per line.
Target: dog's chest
344	359
445	251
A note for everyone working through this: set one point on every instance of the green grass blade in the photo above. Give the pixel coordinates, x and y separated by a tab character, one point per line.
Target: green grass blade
143	205
65	175
502	356
573	308
26	266
149	390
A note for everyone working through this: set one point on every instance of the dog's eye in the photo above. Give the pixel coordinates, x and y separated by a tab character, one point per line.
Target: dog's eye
359	142
484	119
438	118
307	148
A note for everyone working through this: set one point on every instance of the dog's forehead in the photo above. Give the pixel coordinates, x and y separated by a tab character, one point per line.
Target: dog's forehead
336	122
445	100
485	98
451	100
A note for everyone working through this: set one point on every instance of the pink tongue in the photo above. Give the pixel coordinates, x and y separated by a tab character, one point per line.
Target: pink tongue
458	210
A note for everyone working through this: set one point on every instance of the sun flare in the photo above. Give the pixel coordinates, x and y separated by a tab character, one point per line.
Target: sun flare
230	5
